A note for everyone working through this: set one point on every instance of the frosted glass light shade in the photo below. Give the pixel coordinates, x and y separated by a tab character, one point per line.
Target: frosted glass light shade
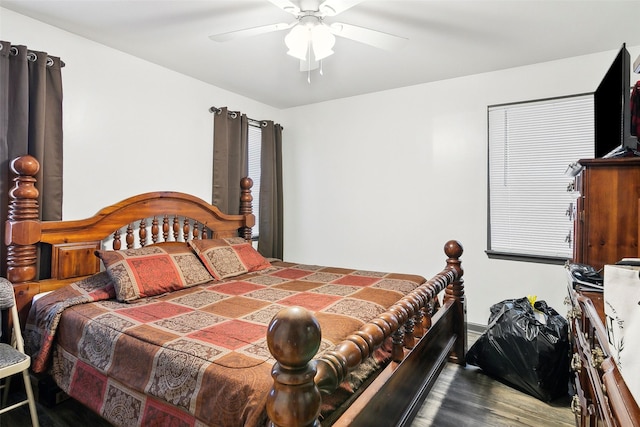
302	37
322	41
298	41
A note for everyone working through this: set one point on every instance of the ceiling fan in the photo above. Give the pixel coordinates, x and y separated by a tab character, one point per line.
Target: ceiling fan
310	38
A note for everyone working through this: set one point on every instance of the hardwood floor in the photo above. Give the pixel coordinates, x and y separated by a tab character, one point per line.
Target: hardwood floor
462	396
68	413
466	396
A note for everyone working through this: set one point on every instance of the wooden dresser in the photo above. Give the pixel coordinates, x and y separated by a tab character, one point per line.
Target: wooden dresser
605	231
606	223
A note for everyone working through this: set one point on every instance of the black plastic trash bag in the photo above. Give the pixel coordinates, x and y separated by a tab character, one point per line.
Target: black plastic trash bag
523	352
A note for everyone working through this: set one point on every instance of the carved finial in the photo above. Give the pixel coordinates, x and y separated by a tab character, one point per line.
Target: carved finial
246	207
293	338
246	183
25	165
288	329
453	249
22	226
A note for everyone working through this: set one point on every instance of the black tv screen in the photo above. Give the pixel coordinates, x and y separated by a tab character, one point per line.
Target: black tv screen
612	115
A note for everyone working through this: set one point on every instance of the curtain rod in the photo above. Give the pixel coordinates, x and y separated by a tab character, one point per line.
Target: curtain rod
31	55
234	114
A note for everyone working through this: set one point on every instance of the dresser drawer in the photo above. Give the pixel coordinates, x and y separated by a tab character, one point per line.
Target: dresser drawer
591	404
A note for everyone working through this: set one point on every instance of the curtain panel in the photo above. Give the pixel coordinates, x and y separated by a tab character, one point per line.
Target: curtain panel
31	123
231	163
230	158
270	241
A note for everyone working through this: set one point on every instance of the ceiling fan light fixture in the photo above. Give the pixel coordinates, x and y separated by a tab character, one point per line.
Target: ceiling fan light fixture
322	42
298	41
311	40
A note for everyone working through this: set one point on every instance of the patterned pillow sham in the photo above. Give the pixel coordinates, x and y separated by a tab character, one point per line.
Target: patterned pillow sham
153	270
228	257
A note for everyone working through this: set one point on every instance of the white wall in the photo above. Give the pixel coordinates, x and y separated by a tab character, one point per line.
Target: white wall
355	166
130	126
352	167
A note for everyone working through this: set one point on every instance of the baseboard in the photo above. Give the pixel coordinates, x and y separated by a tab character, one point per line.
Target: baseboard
476	328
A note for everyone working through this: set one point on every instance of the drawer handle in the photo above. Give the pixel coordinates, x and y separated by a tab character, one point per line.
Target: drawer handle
576	408
576	362
574	313
597	357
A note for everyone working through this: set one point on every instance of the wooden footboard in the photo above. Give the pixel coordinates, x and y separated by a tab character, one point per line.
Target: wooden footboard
421	347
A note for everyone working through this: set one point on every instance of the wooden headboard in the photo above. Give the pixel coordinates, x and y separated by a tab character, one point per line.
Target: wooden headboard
45	255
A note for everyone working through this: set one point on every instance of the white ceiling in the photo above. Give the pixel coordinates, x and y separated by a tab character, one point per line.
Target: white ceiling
447	38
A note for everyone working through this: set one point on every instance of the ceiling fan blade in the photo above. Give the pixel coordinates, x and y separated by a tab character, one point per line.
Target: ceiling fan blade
250	32
334	7
368	36
287	6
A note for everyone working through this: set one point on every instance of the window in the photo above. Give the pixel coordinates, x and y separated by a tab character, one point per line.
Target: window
255	143
530	147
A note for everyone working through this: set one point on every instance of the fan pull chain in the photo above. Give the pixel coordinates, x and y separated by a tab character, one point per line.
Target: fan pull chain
309	60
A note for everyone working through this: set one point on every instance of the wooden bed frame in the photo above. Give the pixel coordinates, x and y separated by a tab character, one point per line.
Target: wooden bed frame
426	334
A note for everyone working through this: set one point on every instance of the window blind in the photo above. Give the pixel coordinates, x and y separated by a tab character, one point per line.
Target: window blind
254	147
530	147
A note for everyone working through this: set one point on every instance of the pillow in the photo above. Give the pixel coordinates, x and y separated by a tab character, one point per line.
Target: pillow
228	257
153	270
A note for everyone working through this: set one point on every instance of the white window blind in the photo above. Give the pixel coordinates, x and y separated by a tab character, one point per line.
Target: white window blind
530	146
255	143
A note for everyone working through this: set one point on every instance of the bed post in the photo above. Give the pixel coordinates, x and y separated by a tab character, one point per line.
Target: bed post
455	291
22	227
246	208
293	338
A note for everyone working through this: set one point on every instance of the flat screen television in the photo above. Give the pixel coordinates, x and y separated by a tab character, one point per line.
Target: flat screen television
612	115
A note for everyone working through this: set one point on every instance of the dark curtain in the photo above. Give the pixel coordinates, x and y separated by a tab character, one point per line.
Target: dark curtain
231	163
31	123
230	158
270	242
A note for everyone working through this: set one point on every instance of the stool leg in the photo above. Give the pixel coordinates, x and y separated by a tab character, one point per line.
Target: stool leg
32	400
5	391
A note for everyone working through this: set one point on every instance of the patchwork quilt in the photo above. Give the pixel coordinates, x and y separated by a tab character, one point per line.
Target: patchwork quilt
196	356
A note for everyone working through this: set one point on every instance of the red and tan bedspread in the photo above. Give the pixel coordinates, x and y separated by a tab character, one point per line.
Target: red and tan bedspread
197	356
